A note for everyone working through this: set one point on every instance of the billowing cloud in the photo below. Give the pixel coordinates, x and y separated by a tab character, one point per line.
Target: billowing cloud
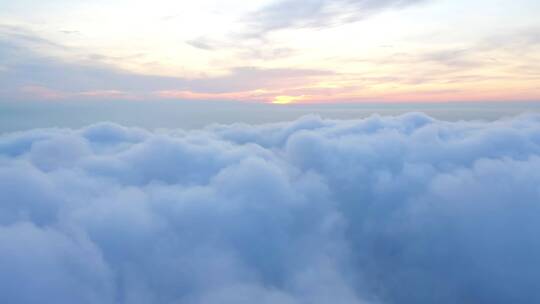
401	209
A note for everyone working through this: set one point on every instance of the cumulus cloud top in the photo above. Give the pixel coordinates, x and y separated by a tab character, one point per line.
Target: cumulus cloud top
401	209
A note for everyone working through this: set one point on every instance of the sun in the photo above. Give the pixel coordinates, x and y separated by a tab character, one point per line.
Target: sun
284	99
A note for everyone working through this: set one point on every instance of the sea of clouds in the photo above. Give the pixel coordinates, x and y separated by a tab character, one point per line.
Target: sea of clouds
401	209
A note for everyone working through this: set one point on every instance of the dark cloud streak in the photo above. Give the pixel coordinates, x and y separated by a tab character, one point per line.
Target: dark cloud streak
317	13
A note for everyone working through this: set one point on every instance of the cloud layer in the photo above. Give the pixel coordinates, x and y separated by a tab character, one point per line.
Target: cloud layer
401	209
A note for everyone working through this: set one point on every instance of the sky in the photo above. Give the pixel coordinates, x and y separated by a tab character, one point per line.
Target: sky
272	51
269	151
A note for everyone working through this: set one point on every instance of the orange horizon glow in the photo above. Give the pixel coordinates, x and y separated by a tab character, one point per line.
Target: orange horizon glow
263	96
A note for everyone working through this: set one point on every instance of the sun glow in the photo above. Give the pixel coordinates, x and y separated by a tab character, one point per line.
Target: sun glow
284	99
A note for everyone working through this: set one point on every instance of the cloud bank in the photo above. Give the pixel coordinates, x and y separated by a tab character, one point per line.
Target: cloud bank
401	209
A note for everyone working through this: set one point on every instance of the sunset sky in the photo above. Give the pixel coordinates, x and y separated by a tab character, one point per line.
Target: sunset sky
271	51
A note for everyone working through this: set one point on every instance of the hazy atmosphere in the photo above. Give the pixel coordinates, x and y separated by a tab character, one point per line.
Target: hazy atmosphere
18	116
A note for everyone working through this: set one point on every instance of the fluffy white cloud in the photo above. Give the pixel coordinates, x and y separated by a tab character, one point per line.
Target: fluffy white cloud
382	210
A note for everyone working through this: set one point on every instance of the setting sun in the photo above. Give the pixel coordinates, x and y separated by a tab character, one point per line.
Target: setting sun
286	99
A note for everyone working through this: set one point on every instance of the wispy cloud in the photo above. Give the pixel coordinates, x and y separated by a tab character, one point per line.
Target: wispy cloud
26	74
317	13
496	68
252	42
